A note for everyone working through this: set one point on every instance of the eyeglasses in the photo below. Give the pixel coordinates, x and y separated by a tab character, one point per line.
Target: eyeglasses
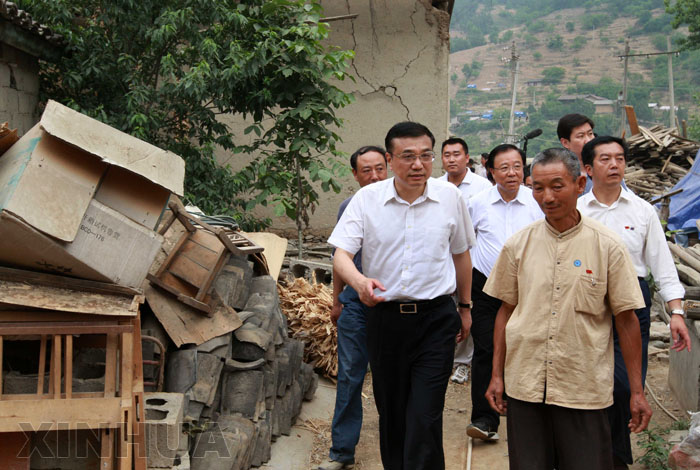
408	158
506	169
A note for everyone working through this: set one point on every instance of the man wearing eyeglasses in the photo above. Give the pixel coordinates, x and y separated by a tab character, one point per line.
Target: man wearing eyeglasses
496	214
455	161
415	233
350	317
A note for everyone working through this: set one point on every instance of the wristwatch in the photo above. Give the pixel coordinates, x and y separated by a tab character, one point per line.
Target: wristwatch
469	305
678	311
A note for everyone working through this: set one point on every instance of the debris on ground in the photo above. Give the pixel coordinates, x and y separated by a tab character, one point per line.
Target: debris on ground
308	308
658	158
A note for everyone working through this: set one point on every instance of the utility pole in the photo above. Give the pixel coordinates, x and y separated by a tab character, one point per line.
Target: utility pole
670	82
510	138
669	53
623	116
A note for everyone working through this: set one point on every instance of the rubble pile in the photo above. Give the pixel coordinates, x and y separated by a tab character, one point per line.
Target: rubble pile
132	334
657	159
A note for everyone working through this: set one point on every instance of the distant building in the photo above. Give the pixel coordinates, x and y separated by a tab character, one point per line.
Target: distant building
602	105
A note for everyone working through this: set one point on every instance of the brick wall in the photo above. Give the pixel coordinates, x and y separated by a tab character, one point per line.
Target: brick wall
19	88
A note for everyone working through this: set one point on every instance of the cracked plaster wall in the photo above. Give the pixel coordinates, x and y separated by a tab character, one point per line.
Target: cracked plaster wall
401	73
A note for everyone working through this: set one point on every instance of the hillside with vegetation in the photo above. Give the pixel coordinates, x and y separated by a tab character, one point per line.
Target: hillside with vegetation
567	51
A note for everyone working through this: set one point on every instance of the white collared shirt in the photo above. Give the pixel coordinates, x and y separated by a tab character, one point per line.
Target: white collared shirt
471	185
407	247
495	220
636	222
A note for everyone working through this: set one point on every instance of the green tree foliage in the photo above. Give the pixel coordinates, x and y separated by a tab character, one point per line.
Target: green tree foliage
553	75
595	20
686	12
555	43
570	26
165	70
578	42
472	70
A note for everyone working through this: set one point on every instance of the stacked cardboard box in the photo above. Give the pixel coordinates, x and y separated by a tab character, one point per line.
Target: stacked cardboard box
80	198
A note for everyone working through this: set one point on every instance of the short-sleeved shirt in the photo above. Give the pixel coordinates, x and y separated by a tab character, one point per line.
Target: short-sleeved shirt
407	247
495	220
357	259
566	287
471	185
636	223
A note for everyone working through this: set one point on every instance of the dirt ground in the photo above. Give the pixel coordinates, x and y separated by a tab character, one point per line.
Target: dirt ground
491	456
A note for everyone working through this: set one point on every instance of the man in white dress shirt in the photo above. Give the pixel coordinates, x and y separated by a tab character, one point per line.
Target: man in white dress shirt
636	222
455	159
415	234
496	214
574	131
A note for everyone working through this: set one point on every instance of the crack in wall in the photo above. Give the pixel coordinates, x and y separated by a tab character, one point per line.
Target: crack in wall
408	111
354	48
415	10
410	62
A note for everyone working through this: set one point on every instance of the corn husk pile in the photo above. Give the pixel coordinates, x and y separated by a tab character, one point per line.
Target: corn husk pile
658	158
308	309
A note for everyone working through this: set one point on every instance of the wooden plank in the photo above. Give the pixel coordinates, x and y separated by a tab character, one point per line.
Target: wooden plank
1	362
64	282
76	413
172	284
68	375
14	451
38	316
65	300
201	306
202	255
42	366
107	449
181	297
204	287
62	328
632	119
186	325
56	363
685	258
126	391
173	253
189	271
46	396
207	240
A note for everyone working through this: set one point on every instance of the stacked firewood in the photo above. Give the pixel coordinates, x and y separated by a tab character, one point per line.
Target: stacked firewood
308	308
658	158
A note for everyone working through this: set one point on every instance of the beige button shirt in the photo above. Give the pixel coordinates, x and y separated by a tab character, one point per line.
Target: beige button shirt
566	287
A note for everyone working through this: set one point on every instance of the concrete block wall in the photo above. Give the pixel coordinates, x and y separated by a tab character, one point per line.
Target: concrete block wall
19	88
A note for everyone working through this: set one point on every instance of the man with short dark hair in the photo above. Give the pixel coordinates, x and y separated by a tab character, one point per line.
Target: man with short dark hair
574	130
638	225
415	234
350	317
455	158
496	214
561	280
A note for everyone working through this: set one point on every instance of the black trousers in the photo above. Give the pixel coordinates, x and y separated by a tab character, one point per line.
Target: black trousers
619	412
483	321
411	358
541	436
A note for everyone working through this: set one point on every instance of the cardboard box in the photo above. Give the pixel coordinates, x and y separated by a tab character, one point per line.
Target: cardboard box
109	247
50	175
71	172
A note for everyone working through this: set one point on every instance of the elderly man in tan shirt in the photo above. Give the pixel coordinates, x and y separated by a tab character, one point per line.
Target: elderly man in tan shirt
561	280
